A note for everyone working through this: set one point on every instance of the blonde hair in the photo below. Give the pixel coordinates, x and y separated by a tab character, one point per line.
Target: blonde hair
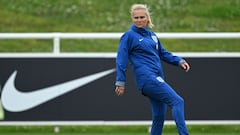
144	7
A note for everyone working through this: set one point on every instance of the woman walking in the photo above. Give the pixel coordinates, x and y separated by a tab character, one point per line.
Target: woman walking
143	49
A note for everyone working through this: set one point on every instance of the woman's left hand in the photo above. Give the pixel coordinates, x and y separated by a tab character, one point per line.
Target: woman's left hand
185	66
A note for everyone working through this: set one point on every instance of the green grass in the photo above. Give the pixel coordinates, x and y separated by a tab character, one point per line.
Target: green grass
117	130
113	16
104	45
114	134
109	15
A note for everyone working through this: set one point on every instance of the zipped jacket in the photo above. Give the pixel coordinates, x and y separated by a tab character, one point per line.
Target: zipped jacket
143	49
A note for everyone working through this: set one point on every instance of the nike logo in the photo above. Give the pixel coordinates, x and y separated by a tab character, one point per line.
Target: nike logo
14	100
141	39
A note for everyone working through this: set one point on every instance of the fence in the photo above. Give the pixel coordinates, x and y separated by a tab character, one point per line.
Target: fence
58	36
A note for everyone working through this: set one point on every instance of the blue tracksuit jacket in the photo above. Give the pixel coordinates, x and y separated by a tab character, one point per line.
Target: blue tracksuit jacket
144	51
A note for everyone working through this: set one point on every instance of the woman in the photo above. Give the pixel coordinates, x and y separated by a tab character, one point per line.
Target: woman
143	49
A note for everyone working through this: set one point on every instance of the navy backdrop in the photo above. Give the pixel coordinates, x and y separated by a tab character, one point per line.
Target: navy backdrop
211	89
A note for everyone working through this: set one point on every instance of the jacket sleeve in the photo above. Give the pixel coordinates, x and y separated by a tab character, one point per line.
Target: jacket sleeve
122	61
168	56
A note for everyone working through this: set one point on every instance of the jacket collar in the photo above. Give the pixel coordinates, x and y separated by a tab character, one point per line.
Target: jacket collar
142	31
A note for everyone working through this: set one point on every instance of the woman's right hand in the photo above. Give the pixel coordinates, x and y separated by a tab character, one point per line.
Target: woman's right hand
119	90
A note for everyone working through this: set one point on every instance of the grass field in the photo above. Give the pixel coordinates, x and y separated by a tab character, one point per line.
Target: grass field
114	134
113	16
117	130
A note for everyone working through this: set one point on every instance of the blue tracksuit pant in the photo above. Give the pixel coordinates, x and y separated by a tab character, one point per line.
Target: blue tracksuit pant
161	95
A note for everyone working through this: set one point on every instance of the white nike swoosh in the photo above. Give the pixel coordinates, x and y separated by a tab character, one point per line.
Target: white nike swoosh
14	100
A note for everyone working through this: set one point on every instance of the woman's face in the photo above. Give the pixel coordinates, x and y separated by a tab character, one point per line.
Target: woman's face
140	18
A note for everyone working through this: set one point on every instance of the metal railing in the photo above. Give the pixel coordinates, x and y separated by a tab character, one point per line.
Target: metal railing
58	36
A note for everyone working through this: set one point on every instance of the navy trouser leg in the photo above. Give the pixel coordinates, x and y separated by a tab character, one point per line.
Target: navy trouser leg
160	93
178	115
158	116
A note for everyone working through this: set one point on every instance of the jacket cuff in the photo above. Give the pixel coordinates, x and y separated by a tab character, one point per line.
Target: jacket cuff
181	62
120	83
